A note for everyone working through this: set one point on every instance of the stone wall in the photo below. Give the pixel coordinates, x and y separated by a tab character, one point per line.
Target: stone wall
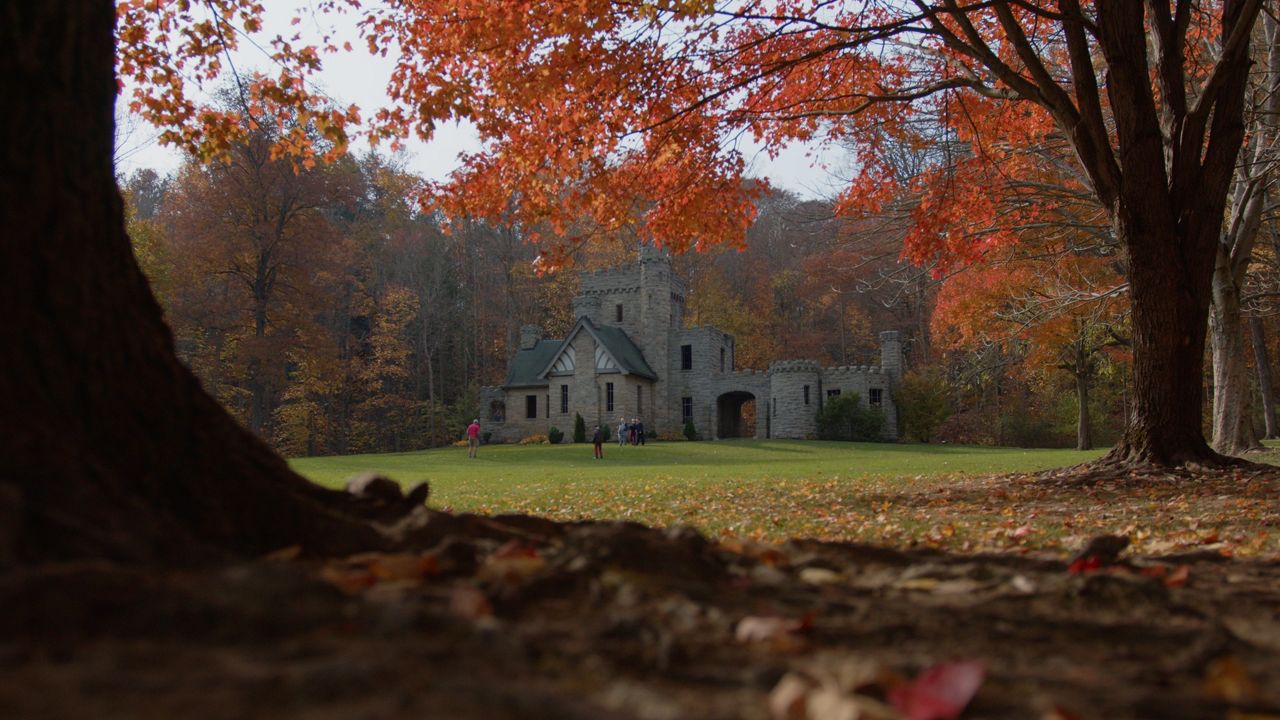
702	382
862	380
790	416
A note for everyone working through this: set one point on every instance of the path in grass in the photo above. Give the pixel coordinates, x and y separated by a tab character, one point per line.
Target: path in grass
772	489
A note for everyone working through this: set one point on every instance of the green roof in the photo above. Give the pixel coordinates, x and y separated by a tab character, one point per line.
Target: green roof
528	364
529	367
625	352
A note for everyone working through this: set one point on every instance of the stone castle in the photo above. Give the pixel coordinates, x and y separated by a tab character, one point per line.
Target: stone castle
629	355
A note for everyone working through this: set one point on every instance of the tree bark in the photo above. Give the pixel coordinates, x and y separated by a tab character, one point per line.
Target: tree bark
1233	432
1262	362
1084	434
110	449
1170	309
1168	214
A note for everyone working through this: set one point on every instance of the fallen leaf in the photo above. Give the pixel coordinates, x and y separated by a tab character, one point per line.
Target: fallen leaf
511	563
402	567
758	629
920	583
1022	584
284	554
828	703
819	576
351	581
755	628
940	692
470	603
789	698
1226	678
1178	577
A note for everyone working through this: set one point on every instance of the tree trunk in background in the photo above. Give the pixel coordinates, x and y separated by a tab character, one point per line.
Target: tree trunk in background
1233	431
1262	362
1084	434
111	449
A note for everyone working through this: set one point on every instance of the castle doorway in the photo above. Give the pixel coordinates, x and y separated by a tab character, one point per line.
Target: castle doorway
736	415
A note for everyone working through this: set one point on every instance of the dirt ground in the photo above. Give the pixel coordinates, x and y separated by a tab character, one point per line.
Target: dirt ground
518	617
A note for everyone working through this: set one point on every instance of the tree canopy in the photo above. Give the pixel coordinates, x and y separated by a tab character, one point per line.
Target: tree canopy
596	116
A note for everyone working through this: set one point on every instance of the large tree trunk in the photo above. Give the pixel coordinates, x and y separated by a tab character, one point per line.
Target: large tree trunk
110	448
1170	310
1168	214
1262	362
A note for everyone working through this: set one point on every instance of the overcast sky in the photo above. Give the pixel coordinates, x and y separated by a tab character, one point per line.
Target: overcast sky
360	78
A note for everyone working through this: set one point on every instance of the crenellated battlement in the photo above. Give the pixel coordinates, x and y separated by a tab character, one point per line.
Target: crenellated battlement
794	366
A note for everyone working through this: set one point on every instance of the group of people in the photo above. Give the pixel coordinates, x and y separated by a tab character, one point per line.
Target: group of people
628	432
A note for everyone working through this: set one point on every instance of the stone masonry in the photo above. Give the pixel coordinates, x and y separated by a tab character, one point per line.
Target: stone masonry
629	355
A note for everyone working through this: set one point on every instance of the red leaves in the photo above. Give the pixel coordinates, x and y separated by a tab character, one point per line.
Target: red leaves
1084	565
850	687
940	692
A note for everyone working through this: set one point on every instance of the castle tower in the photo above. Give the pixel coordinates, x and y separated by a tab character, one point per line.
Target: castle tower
659	289
891	353
794	388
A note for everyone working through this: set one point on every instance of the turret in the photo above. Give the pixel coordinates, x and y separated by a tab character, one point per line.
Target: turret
891	353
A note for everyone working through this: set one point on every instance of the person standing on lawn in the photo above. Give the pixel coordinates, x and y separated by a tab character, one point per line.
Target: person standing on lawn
622	432
597	440
640	432
473	437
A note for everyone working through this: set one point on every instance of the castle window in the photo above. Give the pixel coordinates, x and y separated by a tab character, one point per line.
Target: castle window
833	393
564	399
608	397
721	359
877	397
618	312
806	394
497	411
639	399
548	405
686	409
686	357
531	406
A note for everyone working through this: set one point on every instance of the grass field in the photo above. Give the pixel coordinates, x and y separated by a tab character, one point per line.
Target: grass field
768	489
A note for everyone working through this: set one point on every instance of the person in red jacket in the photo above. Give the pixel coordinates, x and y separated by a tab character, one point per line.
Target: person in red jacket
473	437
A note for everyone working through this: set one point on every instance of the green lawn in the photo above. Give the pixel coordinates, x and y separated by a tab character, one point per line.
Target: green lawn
757	488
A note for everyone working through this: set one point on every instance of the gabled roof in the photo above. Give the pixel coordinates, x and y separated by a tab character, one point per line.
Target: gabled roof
527	365
614	341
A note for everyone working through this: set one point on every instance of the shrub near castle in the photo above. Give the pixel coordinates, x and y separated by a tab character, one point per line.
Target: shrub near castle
844	418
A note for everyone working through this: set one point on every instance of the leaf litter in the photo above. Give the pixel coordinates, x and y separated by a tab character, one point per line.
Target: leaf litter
478	617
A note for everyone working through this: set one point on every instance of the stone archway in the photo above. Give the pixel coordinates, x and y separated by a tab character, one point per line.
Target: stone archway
736	415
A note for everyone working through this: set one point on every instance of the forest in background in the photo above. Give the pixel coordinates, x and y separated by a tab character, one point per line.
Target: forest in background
331	314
